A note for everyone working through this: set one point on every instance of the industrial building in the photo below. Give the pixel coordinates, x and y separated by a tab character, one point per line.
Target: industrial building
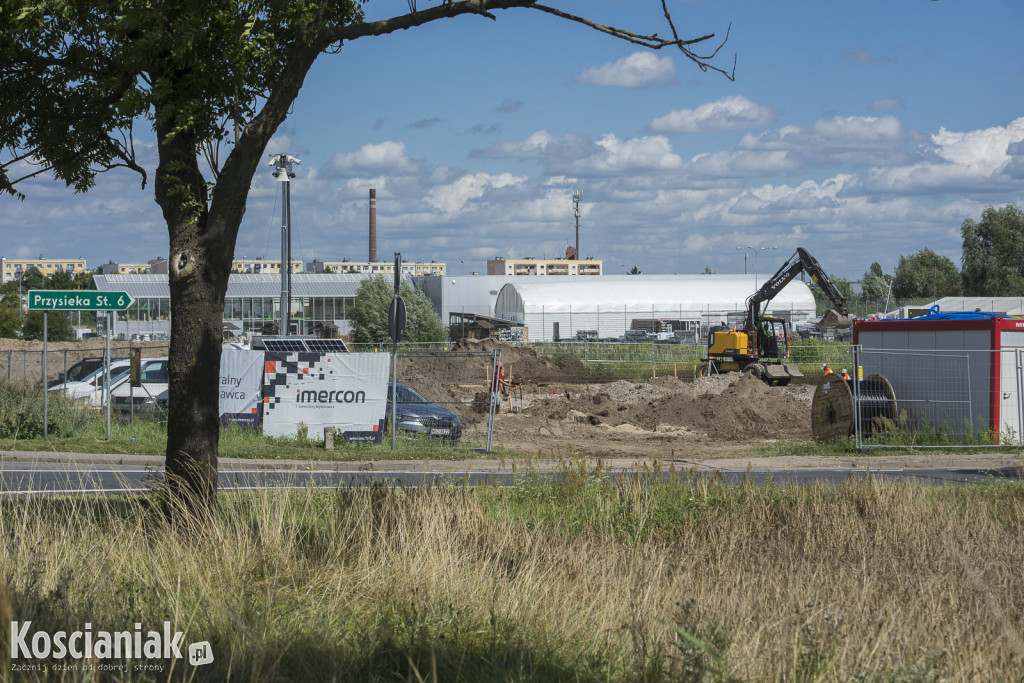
319	303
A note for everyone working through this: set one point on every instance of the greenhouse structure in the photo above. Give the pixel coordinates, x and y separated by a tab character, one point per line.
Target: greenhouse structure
671	306
252	304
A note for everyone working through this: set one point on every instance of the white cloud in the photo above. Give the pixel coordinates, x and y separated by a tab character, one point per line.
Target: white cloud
724	114
387	157
837	133
984	150
451	199
652	153
638	70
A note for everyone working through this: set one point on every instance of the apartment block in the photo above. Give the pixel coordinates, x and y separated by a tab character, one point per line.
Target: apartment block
415	268
531	266
13	269
259	265
112	268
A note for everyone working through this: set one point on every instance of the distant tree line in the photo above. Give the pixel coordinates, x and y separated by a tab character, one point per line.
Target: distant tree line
992	265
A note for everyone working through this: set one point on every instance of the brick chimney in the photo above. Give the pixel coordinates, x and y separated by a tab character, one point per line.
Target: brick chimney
373	225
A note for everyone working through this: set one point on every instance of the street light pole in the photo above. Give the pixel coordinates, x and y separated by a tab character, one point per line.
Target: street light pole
759	249
746	251
282	164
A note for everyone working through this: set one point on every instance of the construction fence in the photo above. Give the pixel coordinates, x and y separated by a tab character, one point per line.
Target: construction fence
926	398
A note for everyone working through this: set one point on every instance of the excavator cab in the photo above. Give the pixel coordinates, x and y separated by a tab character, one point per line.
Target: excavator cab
773	339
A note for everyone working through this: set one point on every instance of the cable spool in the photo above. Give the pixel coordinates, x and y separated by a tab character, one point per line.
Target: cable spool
833	414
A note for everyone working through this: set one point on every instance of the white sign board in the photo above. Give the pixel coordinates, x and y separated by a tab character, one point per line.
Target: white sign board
347	391
241	375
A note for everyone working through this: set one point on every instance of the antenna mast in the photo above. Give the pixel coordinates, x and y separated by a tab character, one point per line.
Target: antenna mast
577	197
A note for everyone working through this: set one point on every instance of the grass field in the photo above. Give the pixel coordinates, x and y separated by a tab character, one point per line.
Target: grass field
76	428
580	580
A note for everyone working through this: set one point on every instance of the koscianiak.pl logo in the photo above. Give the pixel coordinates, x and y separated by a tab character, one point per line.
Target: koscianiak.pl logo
89	650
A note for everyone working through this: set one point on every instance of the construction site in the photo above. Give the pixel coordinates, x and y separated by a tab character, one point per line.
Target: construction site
558	407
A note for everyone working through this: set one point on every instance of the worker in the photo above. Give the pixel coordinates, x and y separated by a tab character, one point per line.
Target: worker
826	370
846	375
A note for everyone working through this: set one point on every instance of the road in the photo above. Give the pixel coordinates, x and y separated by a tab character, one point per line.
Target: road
68	474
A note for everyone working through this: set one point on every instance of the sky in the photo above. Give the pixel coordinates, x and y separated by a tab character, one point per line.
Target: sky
861	131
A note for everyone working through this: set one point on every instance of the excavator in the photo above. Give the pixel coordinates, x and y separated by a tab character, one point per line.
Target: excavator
761	346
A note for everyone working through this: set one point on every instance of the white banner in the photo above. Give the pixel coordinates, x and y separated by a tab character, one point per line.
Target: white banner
241	374
347	391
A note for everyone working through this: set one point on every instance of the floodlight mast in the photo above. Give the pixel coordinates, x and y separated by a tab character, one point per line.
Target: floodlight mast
282	164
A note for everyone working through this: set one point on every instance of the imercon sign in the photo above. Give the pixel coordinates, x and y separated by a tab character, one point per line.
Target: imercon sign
71	300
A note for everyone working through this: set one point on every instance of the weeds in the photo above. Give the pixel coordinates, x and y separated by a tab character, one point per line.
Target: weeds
663	578
21	412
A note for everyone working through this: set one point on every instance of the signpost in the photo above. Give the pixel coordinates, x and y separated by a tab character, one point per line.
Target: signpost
396	328
46	300
77	300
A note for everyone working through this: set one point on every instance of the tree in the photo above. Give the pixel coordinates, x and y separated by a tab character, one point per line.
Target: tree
33	278
58	327
925	275
60	280
634	271
993	253
10	310
842	285
76	77
370	317
875	283
83	281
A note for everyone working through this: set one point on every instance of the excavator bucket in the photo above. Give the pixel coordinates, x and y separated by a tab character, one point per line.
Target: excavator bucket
834	320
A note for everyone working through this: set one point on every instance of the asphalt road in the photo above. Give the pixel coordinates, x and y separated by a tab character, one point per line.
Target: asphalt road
21	476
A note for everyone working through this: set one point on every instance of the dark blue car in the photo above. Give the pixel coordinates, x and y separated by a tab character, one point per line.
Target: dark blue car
416	414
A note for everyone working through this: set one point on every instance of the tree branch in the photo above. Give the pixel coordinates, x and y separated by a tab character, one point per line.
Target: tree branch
483	7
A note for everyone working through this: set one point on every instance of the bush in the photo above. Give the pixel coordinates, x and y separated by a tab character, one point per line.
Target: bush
21	412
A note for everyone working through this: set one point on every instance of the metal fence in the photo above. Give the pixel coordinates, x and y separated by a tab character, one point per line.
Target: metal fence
938	398
459	382
601	361
27	364
456	381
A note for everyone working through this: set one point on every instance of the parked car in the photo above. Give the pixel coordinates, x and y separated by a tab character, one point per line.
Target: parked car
92	387
77	372
151	395
413	413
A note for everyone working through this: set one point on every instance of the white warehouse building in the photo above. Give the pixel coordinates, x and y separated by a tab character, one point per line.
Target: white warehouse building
554	309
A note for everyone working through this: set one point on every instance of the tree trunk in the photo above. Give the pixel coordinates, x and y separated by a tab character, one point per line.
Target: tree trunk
201	249
202	233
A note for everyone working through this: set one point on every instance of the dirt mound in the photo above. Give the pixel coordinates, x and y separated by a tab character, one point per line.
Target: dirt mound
737	407
524	364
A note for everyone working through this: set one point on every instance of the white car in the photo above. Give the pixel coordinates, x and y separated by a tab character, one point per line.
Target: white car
150	395
91	387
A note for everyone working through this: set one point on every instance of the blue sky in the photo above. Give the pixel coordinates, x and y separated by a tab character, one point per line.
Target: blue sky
861	131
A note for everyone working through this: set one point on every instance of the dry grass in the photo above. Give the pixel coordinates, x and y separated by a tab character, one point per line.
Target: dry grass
583	580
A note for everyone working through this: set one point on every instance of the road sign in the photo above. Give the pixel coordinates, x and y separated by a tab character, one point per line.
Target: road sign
77	300
396	319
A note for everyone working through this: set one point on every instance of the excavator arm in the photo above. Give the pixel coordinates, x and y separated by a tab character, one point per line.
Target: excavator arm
837	317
